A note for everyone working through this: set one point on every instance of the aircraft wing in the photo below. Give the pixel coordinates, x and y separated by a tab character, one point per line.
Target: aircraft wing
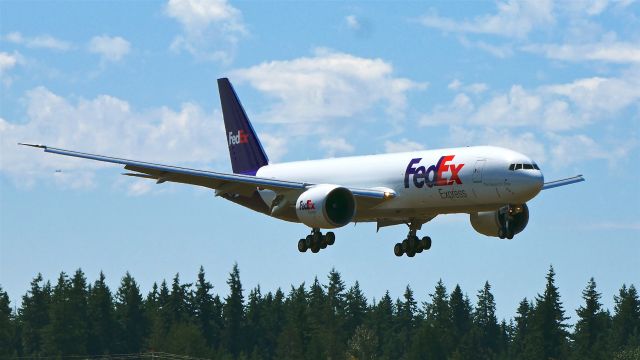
562	182
221	182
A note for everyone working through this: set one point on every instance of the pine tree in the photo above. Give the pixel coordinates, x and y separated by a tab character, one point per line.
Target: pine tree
295	333
130	316
255	323
355	309
100	310
461	323
486	322
521	329
204	309
319	314
7	328
381	318
625	330
66	333
233	311
592	327
437	330
548	336
334	336
34	317
178	306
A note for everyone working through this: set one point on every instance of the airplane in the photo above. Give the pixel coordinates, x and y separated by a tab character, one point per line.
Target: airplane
491	184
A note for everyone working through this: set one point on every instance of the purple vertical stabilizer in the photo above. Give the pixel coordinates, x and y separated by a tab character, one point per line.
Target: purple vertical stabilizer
245	150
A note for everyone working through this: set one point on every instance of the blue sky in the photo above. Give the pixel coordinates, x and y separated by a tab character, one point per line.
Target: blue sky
555	80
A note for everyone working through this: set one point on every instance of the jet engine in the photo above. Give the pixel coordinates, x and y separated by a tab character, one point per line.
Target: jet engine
326	207
503	223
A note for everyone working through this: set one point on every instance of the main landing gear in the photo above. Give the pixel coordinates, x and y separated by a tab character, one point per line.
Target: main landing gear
412	245
316	241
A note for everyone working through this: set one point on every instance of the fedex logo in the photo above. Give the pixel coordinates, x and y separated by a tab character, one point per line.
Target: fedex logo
309	205
433	175
240	138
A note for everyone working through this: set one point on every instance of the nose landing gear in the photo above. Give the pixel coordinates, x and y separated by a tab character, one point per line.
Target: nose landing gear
316	241
412	245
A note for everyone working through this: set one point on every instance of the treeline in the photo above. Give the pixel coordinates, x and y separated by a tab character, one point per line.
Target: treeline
320	321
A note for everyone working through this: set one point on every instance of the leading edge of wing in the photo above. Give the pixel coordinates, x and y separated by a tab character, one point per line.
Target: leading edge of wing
248	179
562	182
273	184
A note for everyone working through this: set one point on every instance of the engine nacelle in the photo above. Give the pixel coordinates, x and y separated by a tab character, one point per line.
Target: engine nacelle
326	207
490	222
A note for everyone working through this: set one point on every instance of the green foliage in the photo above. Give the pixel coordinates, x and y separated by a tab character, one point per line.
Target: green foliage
321	321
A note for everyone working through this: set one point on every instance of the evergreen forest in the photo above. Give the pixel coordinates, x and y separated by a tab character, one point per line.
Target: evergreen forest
73	318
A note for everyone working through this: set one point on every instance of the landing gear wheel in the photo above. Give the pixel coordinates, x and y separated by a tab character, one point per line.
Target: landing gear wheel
308	241
397	250
419	246
405	245
411	253
315	248
323	243
302	245
501	234
331	238
426	243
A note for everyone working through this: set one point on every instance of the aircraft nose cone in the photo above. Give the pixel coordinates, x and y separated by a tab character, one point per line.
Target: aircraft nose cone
534	182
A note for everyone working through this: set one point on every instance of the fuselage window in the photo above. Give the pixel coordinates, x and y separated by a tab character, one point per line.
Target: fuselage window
518	166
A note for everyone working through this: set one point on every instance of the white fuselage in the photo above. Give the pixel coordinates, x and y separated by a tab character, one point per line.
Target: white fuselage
426	183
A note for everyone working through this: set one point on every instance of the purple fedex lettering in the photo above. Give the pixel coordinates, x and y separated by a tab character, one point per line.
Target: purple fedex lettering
410	171
434	174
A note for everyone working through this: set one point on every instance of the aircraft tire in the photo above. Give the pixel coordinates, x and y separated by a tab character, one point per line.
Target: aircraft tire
331	238
426	243
405	245
309	241
419	246
509	234
397	250
302	245
315	249
411	253
323	243
501	234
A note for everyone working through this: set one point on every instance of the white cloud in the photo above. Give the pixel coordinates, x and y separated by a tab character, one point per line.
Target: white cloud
8	61
274	146
352	22
475	88
401	146
554	108
328	85
514	19
38	42
110	48
104	125
334	146
610	52
212	28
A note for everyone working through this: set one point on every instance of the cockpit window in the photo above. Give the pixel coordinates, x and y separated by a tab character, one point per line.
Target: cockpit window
535	166
528	167
518	166
512	167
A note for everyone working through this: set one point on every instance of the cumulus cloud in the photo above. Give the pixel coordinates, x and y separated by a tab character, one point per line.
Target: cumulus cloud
328	85
211	28
513	19
335	146
402	145
557	107
104	125
110	48
352	22
8	61
38	42
606	51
